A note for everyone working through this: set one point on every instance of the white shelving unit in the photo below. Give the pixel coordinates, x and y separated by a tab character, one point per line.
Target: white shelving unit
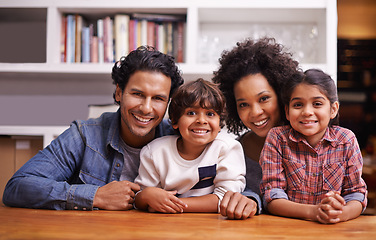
227	21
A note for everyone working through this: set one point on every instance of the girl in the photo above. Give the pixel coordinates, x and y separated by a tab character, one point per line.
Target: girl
312	168
199	165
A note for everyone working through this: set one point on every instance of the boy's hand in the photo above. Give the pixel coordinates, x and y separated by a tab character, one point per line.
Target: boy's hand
160	200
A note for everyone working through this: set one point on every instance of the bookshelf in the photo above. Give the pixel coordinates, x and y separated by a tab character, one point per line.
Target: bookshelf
37	68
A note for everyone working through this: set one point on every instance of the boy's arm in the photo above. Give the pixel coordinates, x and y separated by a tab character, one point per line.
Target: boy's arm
157	199
206	203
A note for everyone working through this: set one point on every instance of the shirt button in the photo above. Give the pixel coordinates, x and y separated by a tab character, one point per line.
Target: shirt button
118	165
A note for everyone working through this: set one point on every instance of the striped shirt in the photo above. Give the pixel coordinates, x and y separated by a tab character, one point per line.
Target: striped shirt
294	170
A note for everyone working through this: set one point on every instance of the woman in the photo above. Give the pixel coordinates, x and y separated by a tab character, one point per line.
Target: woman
250	76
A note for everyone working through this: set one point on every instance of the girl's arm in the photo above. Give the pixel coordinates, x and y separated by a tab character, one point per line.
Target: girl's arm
206	203
287	208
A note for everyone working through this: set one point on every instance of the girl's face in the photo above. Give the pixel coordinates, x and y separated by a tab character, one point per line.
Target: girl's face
257	104
198	126
310	112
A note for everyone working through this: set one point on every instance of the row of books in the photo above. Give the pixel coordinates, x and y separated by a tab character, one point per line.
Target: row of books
108	39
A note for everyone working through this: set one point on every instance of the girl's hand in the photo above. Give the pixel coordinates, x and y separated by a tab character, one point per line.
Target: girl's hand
330	208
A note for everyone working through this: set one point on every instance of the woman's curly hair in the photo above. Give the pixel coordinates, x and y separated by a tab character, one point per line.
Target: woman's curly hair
146	58
264	56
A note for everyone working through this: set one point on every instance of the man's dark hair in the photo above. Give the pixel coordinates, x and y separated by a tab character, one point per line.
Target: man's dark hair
148	59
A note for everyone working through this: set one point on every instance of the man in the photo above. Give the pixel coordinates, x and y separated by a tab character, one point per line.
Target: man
92	164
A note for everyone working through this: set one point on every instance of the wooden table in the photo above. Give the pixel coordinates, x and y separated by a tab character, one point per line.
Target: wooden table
17	223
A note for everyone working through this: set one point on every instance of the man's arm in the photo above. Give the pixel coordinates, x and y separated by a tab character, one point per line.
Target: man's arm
43	181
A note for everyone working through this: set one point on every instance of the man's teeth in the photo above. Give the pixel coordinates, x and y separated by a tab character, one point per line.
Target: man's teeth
142	119
261	122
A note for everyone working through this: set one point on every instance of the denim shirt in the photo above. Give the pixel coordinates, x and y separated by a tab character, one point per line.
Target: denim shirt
69	171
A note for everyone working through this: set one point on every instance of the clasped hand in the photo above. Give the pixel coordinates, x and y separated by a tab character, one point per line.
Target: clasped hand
330	208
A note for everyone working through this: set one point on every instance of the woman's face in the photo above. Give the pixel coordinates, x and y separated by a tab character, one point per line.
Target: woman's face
257	104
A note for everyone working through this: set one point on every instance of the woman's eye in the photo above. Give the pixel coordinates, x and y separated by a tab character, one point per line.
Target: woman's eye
242	105
264	98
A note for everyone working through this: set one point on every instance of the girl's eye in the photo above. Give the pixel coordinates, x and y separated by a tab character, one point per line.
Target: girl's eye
191	113
317	104
297	105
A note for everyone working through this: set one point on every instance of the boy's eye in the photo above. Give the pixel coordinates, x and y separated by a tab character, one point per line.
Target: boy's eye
211	114
190	113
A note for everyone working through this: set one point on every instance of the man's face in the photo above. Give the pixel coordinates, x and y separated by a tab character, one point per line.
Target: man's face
143	104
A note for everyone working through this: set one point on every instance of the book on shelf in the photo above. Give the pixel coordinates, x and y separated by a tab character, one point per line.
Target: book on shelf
159	17
108	45
63	39
100	32
85	45
78	34
71	38
121	29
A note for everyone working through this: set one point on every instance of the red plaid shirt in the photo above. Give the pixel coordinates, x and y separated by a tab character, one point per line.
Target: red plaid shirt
293	170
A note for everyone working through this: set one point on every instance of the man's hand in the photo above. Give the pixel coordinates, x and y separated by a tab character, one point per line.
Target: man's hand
237	206
116	196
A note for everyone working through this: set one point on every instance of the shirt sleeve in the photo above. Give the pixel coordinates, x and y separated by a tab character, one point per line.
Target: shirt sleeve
273	183
354	187
255	197
42	181
231	169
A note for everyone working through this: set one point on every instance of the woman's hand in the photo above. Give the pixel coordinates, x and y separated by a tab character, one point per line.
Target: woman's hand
234	205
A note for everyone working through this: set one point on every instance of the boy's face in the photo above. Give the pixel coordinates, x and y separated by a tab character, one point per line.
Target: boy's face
310	112
143	104
198	126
